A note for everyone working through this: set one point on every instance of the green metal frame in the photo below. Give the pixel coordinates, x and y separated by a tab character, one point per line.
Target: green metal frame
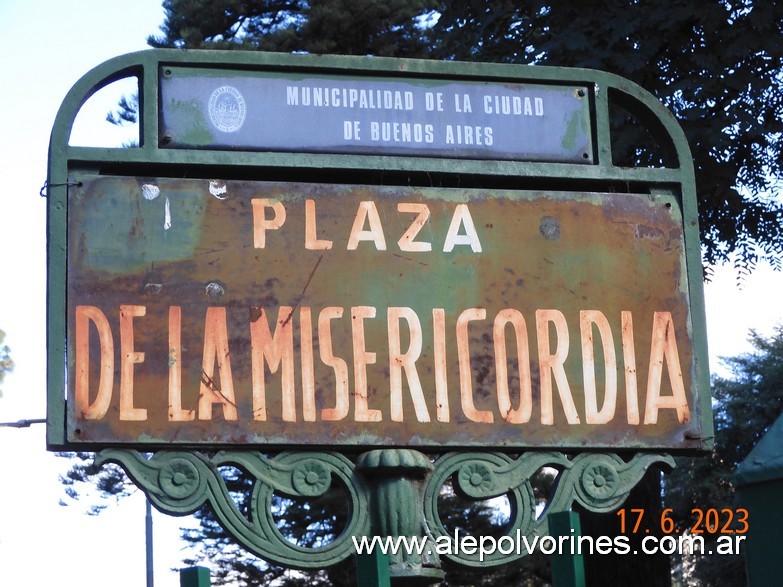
393	492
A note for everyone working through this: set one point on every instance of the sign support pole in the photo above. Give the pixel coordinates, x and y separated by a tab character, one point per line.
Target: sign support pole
568	570
194	577
372	569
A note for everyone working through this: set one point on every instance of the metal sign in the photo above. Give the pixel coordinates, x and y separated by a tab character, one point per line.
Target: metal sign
339	114
271	268
226	312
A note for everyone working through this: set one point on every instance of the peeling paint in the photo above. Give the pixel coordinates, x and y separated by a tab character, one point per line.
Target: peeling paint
150	191
550	228
218	189
167	215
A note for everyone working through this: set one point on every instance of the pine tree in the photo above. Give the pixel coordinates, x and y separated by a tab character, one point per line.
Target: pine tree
6	364
715	64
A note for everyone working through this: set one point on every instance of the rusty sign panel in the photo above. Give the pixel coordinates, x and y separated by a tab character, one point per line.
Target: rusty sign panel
276	111
237	312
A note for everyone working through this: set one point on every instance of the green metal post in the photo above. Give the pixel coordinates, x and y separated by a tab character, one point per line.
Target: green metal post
568	569
194	577
372	570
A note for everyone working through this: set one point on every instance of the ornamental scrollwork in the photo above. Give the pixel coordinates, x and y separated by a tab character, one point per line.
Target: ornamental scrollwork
390	492
179	483
598	482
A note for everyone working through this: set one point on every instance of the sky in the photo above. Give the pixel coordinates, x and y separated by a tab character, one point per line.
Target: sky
45	47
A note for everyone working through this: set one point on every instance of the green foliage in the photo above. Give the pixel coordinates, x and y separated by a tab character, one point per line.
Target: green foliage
353	27
745	406
6	364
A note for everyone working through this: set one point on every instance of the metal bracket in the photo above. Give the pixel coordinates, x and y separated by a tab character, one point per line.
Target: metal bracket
391	492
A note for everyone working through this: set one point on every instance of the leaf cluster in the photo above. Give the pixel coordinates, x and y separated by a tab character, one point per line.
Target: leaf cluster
307	523
355	27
